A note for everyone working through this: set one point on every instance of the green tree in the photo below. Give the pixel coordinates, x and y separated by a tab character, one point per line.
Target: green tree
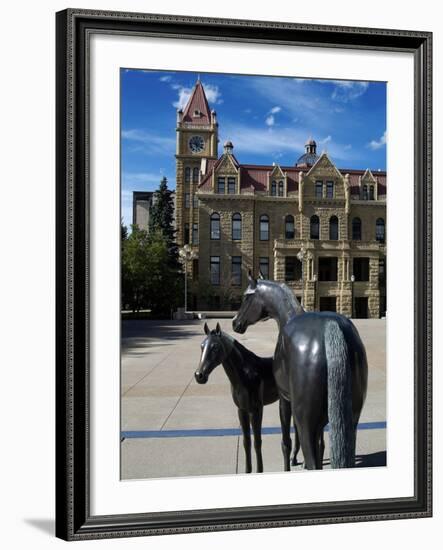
161	218
148	279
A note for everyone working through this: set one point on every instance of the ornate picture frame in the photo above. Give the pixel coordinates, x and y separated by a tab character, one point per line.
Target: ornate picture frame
74	520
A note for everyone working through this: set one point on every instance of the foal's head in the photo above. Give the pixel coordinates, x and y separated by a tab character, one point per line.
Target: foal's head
215	348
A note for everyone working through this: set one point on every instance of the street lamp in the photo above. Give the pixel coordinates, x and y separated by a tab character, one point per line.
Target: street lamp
186	254
300	257
314	278
352	295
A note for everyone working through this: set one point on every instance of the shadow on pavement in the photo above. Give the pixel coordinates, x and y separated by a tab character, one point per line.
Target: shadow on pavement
143	334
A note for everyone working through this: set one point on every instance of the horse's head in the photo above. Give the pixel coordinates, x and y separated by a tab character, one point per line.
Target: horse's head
213	352
252	308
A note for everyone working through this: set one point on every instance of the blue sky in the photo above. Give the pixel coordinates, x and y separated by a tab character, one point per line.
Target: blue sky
268	119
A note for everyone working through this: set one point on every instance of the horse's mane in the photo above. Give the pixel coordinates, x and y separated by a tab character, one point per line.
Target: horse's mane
288	296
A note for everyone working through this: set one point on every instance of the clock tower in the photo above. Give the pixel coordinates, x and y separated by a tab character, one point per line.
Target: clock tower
197	145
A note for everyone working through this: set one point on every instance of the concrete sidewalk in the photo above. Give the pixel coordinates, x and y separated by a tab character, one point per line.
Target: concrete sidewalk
159	394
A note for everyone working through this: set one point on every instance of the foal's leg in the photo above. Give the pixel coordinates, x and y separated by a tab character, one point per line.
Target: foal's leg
243	416
256	421
285	421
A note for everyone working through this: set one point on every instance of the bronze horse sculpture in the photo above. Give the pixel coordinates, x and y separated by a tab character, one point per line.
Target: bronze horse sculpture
252	386
319	366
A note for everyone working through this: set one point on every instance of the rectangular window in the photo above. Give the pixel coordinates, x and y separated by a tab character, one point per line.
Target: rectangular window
365	192
327	269
221	186
361	269
236	271
187	200
231	186
195	233
274	189
280	189
264	228
330	189
293	268
264	267
382	272
186	236
195	201
318	189
215	270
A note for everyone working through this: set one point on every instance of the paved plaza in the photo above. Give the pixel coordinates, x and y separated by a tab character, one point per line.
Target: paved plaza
172	426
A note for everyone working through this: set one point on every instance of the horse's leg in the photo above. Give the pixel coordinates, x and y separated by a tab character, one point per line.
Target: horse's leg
256	421
285	422
321	449
243	416
297	446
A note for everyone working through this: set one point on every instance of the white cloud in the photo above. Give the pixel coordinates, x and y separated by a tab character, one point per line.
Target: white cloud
378	143
347	90
183	97
327	139
213	95
270	120
275	110
166	78
149	142
272	141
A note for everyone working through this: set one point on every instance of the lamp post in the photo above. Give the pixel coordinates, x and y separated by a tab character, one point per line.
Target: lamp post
300	257
186	254
314	278
352	295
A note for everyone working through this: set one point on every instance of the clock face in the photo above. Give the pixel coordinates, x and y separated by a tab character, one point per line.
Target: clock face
196	144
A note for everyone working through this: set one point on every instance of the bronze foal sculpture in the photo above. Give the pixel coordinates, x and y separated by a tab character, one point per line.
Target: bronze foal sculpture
252	387
319	365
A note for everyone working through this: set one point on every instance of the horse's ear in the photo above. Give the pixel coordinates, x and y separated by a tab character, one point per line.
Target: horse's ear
252	281
260	275
218	329
207	331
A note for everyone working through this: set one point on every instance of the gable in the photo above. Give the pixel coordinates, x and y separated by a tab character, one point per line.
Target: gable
324	168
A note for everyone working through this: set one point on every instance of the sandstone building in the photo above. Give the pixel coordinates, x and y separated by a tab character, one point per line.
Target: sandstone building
319	228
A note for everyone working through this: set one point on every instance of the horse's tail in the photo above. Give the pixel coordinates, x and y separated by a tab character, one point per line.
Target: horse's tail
342	433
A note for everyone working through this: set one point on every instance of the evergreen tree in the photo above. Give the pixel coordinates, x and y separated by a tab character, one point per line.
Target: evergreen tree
161	218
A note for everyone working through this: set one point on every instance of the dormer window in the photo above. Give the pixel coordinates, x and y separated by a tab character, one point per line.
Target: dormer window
197	113
274	189
280	189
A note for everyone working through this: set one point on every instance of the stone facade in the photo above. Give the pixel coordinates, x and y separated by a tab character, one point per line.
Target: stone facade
331	218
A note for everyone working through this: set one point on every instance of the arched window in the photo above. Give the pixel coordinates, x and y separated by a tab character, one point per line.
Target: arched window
315	227
215	226
195	172
380	230
280	189
356	229
187	174
371	193
289	227
274	189
236	227
333	228
264	227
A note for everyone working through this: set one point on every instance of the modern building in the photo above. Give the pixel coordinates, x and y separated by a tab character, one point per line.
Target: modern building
141	204
318	228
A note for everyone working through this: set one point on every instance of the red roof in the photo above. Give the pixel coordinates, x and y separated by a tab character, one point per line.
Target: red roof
197	103
255	176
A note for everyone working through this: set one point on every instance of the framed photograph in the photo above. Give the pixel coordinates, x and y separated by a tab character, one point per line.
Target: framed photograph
243	274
